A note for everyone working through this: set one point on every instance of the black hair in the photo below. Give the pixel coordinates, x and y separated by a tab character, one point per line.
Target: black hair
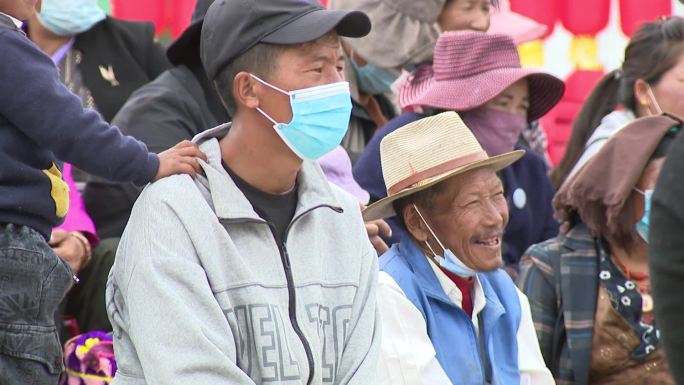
259	60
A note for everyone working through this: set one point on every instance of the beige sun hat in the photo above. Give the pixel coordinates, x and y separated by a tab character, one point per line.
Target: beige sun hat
426	152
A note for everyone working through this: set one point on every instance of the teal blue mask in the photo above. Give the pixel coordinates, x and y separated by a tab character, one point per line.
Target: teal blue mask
320	118
642	225
70	17
374	80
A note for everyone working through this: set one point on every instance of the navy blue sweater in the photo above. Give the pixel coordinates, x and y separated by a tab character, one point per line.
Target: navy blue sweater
528	192
40	122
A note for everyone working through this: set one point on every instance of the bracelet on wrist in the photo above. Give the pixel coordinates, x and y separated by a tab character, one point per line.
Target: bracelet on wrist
86	247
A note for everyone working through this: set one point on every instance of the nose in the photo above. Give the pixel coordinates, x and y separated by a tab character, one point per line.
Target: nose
331	75
493	215
480	21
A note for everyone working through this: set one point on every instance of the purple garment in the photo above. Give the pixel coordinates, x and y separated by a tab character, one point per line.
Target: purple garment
337	168
497	131
89	359
77	219
59	55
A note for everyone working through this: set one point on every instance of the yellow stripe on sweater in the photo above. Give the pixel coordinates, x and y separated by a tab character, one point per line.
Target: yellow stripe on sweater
59	190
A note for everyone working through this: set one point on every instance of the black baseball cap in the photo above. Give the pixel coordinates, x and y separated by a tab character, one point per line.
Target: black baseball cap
231	27
186	48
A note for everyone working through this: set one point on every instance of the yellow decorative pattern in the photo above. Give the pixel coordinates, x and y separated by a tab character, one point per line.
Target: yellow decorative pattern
583	53
532	53
82	350
85	376
59	190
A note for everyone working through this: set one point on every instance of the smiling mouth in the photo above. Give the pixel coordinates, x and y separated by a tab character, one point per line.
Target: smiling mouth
489	242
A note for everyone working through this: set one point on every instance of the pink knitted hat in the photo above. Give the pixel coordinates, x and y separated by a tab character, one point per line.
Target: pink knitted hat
471	68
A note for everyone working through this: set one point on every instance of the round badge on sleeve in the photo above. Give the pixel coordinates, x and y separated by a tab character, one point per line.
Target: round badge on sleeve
519	198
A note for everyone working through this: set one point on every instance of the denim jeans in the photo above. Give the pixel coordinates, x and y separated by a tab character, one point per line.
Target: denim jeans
33	281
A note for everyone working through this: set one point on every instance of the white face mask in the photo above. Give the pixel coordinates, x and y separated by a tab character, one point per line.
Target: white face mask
448	261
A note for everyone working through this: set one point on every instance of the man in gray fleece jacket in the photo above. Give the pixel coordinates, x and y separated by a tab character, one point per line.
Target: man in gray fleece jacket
261	272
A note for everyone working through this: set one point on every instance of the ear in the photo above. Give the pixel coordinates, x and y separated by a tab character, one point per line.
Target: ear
641	94
244	91
414	224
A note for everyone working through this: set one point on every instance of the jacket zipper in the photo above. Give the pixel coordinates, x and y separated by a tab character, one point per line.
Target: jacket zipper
292	299
291	291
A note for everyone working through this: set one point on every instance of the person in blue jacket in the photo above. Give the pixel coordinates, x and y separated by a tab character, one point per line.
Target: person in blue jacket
479	76
450	314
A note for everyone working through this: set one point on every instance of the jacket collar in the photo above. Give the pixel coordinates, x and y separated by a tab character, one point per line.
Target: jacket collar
579	292
10	22
431	286
230	203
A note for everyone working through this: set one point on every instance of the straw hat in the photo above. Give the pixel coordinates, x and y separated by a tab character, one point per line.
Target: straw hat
426	152
471	68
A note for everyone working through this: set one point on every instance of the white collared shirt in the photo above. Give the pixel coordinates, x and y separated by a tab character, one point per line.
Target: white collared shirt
14	20
407	354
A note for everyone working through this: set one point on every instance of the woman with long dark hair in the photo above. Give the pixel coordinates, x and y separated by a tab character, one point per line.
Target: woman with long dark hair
649	82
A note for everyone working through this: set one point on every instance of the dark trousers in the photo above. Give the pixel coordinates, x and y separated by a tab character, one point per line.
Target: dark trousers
33	281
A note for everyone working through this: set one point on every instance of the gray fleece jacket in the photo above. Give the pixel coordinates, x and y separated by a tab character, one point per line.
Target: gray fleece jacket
200	292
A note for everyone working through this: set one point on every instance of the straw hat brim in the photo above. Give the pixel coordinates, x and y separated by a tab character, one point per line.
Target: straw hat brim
465	94
384	208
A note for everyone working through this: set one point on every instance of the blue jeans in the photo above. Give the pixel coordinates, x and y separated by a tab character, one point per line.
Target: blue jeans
33	281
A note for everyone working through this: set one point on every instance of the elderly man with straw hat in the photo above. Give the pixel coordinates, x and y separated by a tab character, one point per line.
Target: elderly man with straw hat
450	314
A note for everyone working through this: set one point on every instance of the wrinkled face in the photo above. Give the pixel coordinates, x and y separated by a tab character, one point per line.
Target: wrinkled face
302	66
669	91
469	217
20	9
460	15
515	99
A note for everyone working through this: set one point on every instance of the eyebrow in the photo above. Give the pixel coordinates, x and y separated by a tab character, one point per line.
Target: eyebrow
325	58
510	97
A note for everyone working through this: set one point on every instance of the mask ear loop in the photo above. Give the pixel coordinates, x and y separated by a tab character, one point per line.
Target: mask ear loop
267	84
651	96
431	232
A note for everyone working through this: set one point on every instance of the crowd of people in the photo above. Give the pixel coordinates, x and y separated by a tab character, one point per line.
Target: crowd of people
352	194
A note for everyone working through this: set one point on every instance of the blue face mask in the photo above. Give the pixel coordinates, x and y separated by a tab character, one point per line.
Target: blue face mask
448	261
374	80
320	118
70	17
642	225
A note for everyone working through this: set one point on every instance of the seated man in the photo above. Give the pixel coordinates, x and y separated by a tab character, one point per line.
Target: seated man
260	271
450	314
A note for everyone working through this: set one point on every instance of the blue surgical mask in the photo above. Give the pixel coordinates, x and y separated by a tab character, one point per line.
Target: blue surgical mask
642	225
448	261
320	118
374	80
70	17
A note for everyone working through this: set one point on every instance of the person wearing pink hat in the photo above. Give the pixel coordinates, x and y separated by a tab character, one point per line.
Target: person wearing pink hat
404	36
479	75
